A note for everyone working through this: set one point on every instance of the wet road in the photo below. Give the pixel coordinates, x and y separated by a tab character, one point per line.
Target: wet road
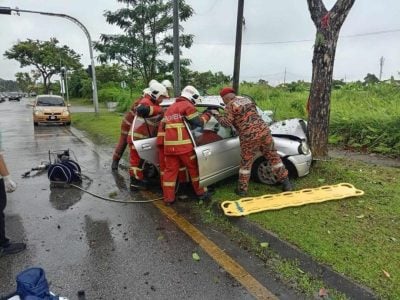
109	250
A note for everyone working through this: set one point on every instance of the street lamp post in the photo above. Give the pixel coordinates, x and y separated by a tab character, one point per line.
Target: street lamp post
8	10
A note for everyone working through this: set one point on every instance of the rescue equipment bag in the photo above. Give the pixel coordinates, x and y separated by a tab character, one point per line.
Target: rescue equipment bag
32	284
65	171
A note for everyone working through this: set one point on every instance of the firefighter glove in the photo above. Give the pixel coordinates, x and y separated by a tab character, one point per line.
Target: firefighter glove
143	111
9	184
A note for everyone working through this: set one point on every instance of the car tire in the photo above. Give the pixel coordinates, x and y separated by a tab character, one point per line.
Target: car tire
67	123
35	124
261	171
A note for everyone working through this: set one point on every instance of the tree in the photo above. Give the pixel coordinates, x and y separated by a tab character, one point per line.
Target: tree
147	26
370	79
328	24
46	56
25	82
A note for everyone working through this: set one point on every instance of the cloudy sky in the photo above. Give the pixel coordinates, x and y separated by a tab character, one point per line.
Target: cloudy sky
278	36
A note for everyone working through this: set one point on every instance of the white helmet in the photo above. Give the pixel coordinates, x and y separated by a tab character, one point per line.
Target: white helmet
191	93
156	90
152	81
167	83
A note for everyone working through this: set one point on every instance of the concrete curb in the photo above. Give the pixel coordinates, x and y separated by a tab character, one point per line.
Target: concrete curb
334	279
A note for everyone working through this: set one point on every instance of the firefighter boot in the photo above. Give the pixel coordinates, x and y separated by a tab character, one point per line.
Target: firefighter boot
114	165
287	185
240	192
204	197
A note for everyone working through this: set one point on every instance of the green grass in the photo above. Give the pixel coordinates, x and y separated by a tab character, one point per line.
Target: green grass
359	237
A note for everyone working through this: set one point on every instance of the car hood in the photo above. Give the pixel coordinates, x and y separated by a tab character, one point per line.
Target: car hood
292	127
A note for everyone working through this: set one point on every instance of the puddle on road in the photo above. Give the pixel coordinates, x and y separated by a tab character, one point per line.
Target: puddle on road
62	196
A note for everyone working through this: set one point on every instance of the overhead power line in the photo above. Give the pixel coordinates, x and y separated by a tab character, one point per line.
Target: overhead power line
302	41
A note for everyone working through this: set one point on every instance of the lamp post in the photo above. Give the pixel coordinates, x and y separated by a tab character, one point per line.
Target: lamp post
8	10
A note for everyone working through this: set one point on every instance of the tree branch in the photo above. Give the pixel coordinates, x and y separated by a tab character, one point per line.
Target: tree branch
317	11
339	13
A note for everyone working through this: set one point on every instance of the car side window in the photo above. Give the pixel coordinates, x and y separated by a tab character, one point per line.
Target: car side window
212	132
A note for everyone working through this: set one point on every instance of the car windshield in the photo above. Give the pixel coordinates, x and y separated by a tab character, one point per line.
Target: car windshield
50	101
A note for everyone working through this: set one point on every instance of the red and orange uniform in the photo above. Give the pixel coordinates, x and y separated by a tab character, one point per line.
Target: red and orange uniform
147	129
178	146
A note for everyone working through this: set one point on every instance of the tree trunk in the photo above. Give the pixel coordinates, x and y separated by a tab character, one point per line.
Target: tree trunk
328	24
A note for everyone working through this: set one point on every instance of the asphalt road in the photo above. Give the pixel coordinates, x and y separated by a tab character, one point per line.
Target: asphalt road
109	250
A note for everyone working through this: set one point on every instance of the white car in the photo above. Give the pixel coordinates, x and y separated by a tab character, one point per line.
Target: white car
218	148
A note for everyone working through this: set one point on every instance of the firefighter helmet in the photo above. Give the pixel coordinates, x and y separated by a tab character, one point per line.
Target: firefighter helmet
167	83
191	93
156	90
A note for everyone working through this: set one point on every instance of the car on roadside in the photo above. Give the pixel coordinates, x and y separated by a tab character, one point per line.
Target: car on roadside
51	109
3	97
218	148
14	96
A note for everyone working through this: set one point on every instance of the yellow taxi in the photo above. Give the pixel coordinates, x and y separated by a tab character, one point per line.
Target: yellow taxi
51	109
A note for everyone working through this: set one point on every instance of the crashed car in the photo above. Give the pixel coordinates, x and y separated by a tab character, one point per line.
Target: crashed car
218	148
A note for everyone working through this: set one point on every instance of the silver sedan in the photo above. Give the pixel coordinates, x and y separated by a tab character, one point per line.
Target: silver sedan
218	148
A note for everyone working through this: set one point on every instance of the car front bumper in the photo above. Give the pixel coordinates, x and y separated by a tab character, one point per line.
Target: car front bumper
302	163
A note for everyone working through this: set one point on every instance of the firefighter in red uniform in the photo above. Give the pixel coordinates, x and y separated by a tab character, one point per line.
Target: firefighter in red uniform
126	125
178	147
150	112
254	136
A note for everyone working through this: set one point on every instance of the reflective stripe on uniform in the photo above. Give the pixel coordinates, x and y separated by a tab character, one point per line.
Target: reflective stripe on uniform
193	157
160	133
193	115
151	111
124	132
244	171
174	143
182	169
169	183
175	125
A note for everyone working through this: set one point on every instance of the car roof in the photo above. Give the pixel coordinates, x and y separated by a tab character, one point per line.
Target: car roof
205	101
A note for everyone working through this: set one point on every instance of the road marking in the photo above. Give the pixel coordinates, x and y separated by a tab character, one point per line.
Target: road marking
229	264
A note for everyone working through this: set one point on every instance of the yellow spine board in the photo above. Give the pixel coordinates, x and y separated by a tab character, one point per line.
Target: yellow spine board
249	205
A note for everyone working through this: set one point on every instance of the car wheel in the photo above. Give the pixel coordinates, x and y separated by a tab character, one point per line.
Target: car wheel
67	123
261	171
35	124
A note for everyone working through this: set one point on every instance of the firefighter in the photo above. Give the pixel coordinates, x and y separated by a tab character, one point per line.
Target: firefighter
254	136
126	125
178	147
150	112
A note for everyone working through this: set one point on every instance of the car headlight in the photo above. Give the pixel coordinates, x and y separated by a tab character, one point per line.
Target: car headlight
38	112
304	148
65	113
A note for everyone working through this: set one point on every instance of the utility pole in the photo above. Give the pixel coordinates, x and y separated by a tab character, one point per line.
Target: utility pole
8	10
381	62
177	64
284	78
238	46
